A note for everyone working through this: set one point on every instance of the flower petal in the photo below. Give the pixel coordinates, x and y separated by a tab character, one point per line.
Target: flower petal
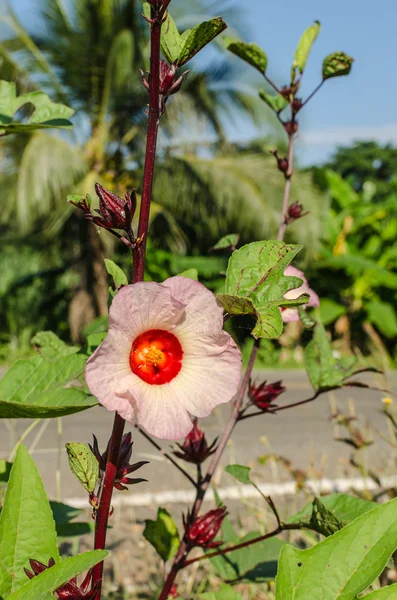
200	333
290	315
143	306
206	381
159	410
104	369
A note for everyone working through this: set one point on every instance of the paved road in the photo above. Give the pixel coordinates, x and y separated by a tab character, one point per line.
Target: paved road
303	434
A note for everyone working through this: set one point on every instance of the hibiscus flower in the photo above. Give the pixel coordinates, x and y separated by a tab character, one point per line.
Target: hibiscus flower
165	356
291	314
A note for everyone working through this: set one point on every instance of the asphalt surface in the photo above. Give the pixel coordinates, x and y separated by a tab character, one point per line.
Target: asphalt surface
304	435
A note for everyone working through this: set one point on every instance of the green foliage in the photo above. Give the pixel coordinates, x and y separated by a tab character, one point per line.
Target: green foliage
5	470
303	49
46	113
337	64
383	316
250	53
27	528
226	592
118	275
345	507
275	101
330	311
41	586
34	388
66	527
239	472
227	242
51	347
83	464
162	534
190	274
324	370
255	284
349	561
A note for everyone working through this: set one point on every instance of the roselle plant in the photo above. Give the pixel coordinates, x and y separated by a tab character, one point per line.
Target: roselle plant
166	358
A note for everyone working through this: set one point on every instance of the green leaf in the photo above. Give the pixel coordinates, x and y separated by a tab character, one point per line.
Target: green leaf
383	316
190	274
336	65
46	113
27	528
51	579
83	464
50	346
119	277
63	515
5	470
200	36
323	520
226	592
275	101
255	274
33	388
162	534
227	242
388	592
251	53
239	472
98	325
303	49
324	370
93	341
330	311
171	40
346	508
348	561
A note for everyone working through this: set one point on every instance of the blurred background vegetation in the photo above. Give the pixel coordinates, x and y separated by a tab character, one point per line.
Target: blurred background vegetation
51	259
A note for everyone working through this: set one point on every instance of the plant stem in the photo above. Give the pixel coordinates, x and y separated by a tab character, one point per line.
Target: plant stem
137	275
179	561
312	94
279	529
167	456
287	189
151	144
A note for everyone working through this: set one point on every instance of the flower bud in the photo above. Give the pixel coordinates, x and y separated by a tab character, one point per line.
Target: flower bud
123	466
264	395
114	211
204	529
69	590
195	448
336	65
295	211
282	163
291	127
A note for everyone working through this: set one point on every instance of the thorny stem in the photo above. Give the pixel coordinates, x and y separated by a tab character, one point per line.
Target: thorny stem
184	548
287	189
167	456
137	275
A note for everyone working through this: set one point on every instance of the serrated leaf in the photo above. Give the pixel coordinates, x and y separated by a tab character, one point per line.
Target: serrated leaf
255	274
83	464
33	388
51	579
239	472
190	274
46	113
344	506
250	53
303	49
50	346
348	561
275	101
227	242
27	528
119	277
337	65
162	534
200	36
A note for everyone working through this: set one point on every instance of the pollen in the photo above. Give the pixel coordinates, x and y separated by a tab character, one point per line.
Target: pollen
154	356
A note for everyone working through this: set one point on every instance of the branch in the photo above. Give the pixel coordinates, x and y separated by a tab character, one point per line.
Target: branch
287	190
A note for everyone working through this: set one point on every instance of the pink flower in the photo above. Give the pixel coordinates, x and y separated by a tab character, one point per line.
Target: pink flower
166	355
291	314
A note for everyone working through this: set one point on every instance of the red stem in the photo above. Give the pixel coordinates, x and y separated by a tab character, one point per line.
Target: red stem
287	189
137	275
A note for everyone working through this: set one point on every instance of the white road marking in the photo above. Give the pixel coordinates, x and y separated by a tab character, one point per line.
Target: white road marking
236	492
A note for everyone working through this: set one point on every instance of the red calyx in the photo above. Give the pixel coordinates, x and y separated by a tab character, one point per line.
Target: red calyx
70	590
195	448
265	394
123	466
115	213
204	529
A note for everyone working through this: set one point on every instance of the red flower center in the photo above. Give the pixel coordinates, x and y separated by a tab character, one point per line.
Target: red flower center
156	356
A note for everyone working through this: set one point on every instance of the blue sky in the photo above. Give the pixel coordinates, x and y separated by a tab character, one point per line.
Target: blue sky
361	106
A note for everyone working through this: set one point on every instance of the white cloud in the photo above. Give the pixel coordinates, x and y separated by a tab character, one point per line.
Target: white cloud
346	135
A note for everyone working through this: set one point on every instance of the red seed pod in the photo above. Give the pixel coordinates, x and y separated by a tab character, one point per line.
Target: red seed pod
70	590
265	394
195	448
204	529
